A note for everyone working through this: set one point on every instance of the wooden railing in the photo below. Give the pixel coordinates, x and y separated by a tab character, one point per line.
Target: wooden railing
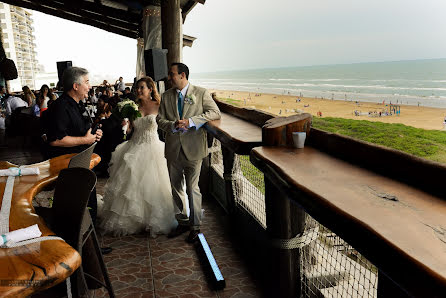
390	206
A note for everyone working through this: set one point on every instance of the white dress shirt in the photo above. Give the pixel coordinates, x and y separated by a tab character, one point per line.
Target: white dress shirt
13	103
183	92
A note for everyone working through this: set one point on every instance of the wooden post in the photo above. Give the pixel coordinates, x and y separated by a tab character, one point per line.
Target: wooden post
388	288
228	166
279	131
172	35
284	219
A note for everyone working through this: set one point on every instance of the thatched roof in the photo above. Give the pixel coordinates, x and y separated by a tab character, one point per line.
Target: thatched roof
120	17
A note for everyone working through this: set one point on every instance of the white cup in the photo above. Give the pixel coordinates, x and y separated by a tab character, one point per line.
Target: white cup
299	139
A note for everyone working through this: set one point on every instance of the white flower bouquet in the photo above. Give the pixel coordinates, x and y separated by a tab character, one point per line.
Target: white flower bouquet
127	110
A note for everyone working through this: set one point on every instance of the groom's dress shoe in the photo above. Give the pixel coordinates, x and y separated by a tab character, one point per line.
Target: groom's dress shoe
180	229
193	236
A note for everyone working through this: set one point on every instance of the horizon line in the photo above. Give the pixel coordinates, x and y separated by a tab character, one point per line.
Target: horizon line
314	65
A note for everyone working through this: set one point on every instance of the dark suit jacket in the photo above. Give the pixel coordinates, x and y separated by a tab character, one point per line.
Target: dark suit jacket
112	136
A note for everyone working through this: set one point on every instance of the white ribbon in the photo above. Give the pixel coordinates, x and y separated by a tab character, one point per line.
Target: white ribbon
26	235
6	205
7	195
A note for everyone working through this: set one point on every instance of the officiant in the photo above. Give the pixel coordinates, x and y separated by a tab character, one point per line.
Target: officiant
66	129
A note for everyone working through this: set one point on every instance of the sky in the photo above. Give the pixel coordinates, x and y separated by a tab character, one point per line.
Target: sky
251	34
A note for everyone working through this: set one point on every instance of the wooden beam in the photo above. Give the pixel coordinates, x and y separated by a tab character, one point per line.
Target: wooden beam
73	17
171	30
187	8
105	10
99	17
188	40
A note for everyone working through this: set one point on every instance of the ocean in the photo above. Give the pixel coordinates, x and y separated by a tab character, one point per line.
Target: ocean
414	82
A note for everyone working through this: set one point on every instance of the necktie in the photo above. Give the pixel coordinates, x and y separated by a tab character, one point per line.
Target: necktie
180	104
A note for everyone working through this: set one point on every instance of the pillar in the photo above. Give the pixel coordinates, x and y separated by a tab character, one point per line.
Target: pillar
151	36
172	33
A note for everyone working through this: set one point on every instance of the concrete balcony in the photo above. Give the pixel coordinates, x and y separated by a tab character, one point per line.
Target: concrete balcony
16	11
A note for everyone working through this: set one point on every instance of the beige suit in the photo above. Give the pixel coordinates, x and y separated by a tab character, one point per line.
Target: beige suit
185	151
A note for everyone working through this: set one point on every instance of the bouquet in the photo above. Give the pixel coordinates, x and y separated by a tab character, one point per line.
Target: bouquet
127	110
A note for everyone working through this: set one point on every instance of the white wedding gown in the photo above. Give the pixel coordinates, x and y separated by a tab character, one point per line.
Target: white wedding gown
138	195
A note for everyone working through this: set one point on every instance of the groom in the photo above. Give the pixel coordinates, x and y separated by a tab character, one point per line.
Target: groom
183	111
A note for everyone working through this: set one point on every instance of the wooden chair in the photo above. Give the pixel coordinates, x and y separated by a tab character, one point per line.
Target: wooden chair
73	188
82	159
90	239
83	235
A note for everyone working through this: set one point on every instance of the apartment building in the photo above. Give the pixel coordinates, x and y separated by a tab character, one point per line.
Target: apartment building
16	27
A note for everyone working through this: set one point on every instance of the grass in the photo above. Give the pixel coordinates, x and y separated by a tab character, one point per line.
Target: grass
254	175
231	101
428	144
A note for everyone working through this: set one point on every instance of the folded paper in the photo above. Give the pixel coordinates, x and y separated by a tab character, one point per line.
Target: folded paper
20	235
19	171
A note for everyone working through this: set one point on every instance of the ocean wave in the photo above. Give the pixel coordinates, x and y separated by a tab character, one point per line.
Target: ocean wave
311	80
367	87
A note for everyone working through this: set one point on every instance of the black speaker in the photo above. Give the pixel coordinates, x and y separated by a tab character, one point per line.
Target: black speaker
61	66
156	63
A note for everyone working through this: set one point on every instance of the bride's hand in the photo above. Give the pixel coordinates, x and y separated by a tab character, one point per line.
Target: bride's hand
128	123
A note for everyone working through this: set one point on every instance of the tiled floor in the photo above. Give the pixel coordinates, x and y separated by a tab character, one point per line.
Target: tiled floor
140	266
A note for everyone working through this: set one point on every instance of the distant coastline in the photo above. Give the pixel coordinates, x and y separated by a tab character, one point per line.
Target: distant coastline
414	82
286	105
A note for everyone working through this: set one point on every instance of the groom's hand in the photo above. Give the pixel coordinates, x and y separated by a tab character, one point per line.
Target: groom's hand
182	125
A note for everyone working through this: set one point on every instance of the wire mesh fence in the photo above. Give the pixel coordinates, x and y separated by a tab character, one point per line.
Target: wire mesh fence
330	267
249	188
217	187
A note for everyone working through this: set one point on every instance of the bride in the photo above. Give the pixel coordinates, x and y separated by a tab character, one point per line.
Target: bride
138	194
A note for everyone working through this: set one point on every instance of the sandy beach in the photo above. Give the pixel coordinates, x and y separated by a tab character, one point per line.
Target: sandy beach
285	105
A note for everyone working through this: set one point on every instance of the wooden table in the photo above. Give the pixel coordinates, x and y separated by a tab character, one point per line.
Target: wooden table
397	227
28	269
236	134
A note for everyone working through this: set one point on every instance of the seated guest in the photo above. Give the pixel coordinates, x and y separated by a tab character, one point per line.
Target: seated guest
105	84
12	102
54	90
92	97
28	96
108	92
102	101
120	85
98	92
2	93
112	136
127	94
104	108
43	99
